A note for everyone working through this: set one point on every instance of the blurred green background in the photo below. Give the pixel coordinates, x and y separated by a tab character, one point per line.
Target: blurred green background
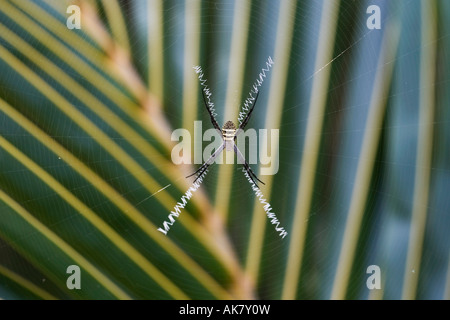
86	118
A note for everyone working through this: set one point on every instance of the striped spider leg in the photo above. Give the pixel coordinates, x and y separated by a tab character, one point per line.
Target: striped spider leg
236	149
246	165
229	134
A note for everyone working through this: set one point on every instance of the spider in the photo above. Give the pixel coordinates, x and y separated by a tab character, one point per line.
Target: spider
228	134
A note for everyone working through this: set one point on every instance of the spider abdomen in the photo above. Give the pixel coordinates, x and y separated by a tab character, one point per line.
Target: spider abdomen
228	134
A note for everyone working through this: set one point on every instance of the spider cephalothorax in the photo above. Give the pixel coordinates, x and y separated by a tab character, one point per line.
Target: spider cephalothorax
229	133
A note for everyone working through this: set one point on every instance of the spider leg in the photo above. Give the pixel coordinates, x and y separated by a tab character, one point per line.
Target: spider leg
247	117
246	165
251	177
199	169
251	173
207	163
213	120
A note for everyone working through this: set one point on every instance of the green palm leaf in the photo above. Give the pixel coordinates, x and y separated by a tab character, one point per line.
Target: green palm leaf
86	176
